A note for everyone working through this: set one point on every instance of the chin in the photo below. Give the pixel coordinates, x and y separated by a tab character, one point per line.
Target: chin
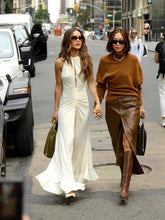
119	51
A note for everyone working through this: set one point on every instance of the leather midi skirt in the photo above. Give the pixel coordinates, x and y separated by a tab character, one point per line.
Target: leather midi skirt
123	115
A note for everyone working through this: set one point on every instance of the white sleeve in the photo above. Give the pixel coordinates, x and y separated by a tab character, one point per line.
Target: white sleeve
141	50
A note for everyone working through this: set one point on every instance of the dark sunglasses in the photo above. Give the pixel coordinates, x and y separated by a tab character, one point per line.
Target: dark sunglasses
76	38
134	32
118	41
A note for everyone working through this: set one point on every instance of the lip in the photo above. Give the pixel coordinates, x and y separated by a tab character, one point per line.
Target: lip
77	44
118	47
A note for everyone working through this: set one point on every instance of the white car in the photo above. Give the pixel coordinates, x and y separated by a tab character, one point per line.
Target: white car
15	93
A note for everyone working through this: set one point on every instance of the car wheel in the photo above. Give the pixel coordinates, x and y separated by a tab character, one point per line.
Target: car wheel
24	133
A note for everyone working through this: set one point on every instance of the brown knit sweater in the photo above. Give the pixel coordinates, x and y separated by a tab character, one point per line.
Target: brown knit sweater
120	78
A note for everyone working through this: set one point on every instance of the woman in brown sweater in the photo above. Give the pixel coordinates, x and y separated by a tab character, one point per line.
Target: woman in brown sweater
121	75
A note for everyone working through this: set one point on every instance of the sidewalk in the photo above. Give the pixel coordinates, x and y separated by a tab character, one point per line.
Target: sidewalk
152	162
151	46
100	200
104	158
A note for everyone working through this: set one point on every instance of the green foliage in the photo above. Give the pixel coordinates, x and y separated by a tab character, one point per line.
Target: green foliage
41	16
118	16
82	16
8	8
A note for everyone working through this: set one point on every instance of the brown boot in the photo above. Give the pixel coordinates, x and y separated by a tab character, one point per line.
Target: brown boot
127	173
121	169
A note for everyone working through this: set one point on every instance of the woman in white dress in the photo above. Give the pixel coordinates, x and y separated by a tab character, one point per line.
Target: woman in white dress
136	45
71	165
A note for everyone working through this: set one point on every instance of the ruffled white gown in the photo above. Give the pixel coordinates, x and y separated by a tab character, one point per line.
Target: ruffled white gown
71	165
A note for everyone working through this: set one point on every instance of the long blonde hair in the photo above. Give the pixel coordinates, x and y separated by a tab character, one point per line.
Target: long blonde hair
131	38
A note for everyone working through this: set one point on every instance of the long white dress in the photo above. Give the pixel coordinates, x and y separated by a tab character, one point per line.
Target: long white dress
71	165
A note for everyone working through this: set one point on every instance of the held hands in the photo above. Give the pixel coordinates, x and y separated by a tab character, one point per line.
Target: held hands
97	111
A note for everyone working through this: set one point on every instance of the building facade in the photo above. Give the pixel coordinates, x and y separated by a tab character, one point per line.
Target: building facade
114	13
146	16
23	6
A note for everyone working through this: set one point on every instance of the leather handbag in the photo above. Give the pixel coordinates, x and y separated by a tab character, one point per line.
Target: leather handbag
49	147
141	138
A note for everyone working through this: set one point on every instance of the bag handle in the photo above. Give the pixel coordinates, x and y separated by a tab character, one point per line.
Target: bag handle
54	121
55	124
142	118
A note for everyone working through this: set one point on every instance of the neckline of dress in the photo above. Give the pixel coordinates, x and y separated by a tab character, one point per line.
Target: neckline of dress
75	57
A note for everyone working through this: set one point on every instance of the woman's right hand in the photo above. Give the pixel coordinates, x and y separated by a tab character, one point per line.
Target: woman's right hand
54	116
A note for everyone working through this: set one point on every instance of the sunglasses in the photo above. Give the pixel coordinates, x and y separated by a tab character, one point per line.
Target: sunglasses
134	32
118	41
76	38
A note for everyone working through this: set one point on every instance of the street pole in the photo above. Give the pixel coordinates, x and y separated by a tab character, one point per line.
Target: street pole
105	8
104	20
113	19
92	8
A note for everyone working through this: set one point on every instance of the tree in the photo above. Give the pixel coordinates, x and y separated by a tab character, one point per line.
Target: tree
41	15
8	8
82	15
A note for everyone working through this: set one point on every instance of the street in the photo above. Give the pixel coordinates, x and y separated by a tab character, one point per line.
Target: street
100	200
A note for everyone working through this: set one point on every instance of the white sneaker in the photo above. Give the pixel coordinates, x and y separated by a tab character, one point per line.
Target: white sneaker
163	123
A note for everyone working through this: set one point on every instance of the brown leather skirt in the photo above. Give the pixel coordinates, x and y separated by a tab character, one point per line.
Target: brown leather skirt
123	115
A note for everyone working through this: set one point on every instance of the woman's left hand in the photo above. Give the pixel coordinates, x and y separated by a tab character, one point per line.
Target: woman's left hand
142	111
97	111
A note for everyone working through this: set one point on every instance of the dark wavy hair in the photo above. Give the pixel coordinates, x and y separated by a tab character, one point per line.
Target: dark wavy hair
124	34
65	52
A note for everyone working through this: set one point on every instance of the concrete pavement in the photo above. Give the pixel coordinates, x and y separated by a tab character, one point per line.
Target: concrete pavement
153	162
100	199
151	46
104	160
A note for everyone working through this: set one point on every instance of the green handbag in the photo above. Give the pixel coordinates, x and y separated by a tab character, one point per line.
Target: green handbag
50	140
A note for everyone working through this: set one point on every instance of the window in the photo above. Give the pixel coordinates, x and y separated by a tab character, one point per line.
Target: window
6	48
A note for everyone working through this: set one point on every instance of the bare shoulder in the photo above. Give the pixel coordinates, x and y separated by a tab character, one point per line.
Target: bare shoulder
59	62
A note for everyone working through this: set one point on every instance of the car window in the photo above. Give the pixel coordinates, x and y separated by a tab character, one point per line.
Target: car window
26	25
20	34
6	48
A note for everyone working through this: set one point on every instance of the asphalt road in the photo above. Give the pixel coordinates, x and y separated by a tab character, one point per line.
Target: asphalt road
100	200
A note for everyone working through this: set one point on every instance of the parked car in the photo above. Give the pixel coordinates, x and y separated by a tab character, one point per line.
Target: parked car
24	19
33	46
15	93
26	47
2	142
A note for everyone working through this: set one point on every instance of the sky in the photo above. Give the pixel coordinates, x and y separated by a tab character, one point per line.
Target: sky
53	8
